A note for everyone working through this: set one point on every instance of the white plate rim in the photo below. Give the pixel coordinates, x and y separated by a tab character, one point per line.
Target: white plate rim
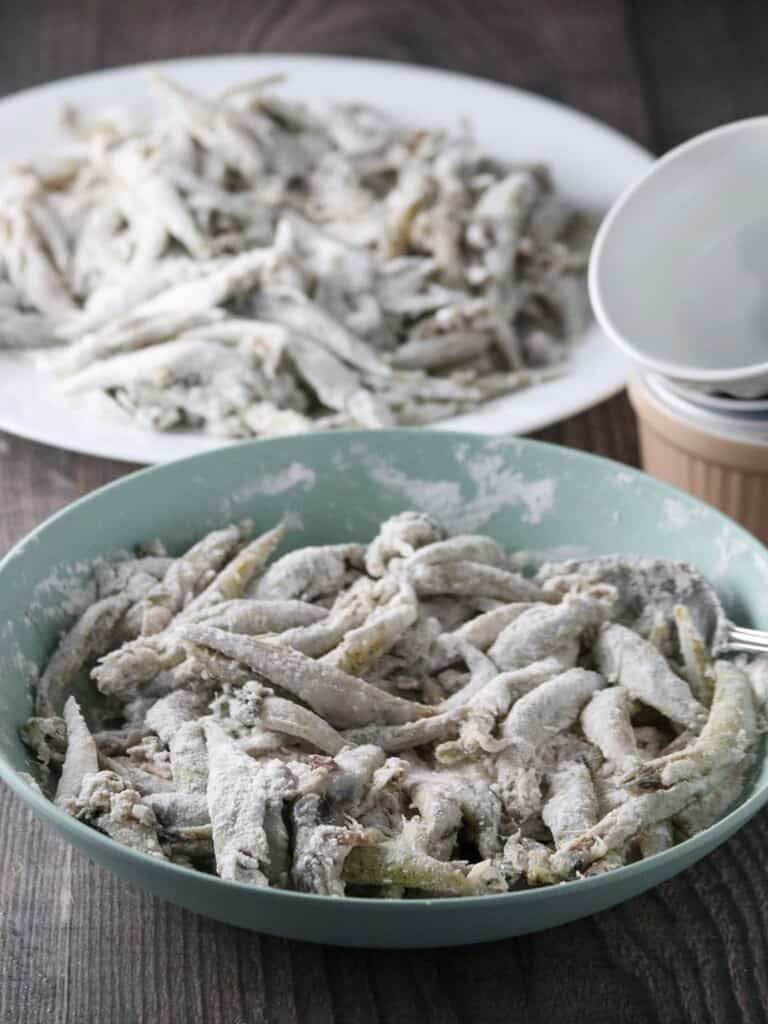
597	369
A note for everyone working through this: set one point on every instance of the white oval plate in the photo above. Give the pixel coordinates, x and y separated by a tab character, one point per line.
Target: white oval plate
592	165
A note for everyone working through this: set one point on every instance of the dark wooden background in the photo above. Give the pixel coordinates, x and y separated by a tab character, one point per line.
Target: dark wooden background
79	946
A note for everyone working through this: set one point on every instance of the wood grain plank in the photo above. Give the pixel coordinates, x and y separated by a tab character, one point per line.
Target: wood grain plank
36	481
702	64
33	868
40	41
577	53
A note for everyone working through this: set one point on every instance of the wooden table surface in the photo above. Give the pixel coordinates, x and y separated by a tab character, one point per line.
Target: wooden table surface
79	946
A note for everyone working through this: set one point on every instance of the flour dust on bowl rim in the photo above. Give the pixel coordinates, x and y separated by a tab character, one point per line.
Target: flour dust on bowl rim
337	487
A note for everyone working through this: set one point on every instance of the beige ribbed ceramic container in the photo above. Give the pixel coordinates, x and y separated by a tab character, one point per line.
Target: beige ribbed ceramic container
717	458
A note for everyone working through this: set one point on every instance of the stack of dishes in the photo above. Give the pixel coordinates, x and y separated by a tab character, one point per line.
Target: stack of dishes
679	281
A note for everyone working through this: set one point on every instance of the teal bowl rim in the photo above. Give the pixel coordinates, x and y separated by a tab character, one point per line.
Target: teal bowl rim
65	823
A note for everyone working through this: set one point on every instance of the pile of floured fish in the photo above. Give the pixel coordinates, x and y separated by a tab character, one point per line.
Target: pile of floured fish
246	266
406	717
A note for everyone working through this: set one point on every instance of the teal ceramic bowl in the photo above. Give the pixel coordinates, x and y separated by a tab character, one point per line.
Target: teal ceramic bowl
339	487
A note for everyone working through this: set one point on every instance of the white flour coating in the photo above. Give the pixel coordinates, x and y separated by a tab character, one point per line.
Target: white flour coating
497	488
517	746
287	268
623	478
490	475
729	547
14	657
14	664
464	453
23	546
65	592
678	515
532	560
293	522
339	462
67	589
516	445
650	587
761	568
296	475
292	476
461	453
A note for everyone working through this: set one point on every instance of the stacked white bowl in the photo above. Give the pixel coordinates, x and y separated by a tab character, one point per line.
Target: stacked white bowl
679	281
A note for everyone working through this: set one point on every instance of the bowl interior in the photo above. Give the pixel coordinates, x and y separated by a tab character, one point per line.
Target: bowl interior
340	486
679	270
